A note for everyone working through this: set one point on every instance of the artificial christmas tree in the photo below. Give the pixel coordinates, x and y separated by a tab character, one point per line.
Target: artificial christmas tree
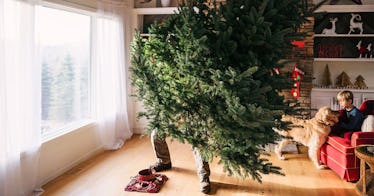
203	77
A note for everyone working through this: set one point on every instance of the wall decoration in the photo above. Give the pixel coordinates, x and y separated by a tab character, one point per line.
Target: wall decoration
296	75
360	82
343	47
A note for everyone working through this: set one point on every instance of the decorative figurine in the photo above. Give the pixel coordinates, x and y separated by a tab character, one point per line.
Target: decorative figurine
331	31
355	25
360	82
364	52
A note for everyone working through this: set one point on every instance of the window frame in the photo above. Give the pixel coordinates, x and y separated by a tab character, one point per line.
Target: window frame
83	123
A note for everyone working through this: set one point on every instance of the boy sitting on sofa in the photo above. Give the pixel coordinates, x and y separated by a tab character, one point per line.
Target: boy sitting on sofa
350	119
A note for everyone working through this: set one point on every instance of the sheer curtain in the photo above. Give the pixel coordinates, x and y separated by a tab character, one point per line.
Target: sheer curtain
111	75
20	136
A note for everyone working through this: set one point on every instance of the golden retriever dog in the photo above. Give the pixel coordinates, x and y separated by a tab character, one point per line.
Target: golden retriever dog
311	133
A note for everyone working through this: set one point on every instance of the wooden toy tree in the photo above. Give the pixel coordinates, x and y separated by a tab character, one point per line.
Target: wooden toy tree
343	80
360	82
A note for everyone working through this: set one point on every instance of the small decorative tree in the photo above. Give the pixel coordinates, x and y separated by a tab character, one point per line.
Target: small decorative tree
343	80
203	77
360	82
326	77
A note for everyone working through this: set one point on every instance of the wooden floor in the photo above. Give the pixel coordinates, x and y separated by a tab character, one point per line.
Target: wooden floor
108	174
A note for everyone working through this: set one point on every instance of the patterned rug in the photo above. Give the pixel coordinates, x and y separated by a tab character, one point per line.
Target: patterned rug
151	186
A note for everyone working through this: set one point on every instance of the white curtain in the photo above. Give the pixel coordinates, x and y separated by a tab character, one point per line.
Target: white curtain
111	76
20	136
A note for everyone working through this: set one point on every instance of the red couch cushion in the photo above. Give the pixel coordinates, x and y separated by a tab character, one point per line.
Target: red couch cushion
341	144
360	138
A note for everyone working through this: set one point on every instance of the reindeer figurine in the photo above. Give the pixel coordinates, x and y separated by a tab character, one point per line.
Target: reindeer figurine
370	51
355	25
364	51
331	31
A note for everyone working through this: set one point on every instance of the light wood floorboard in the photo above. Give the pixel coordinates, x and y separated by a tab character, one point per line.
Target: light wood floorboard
108	173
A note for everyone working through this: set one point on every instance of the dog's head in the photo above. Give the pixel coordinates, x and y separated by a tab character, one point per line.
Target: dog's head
327	116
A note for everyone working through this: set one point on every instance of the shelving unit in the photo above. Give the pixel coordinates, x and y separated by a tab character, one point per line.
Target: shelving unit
344	52
346	59
155	10
146	16
137	23
344	35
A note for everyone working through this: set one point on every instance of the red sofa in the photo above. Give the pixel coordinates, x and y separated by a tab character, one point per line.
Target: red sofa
338	153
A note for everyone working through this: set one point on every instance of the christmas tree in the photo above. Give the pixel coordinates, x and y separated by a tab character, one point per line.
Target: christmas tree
326	77
204	77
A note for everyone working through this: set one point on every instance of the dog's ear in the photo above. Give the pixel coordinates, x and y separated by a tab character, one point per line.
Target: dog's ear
318	114
323	111
327	110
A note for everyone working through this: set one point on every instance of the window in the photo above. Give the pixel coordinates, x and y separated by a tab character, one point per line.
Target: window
64	38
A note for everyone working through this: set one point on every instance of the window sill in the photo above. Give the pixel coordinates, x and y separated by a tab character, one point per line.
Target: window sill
68	130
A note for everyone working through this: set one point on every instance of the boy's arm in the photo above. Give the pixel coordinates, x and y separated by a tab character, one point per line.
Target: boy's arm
355	121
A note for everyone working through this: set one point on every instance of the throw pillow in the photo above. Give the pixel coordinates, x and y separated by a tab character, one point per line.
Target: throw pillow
368	124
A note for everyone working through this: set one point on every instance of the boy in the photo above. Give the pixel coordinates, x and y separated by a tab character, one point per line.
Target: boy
351	118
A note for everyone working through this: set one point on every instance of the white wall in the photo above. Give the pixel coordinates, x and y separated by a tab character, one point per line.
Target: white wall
60	154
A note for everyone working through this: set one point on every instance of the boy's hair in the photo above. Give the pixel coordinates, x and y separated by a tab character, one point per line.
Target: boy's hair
345	95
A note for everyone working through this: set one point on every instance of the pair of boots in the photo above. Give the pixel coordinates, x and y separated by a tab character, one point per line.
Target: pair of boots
161	150
204	180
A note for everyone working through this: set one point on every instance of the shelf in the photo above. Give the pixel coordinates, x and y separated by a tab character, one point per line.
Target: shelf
345	59
344	35
369	90
156	10
345	8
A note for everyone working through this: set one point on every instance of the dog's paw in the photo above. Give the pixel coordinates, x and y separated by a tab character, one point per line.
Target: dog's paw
321	166
281	157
